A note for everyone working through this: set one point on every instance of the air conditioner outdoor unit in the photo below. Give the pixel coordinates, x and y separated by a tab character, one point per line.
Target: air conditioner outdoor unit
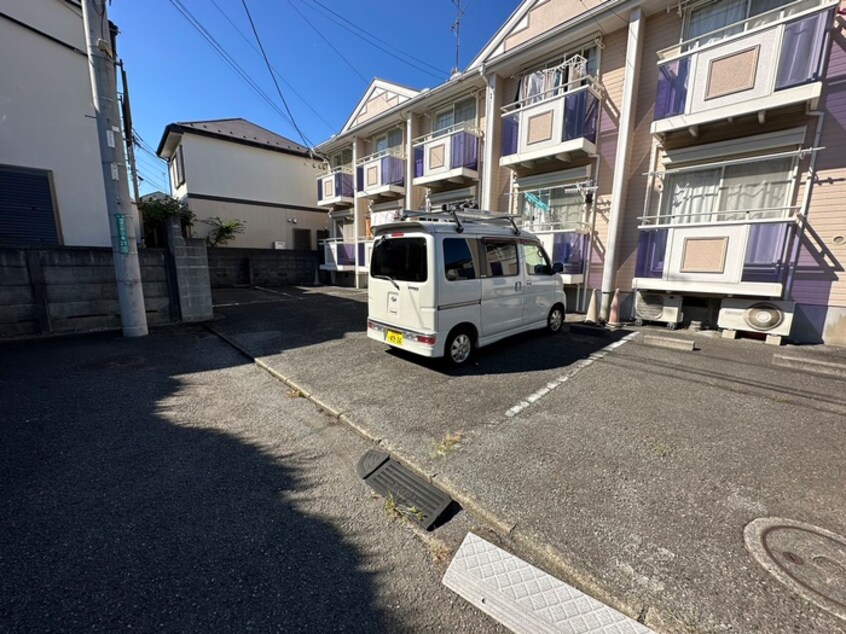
755	315
279	244
658	307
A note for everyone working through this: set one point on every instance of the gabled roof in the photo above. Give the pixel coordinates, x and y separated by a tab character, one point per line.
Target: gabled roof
237	130
495	44
391	95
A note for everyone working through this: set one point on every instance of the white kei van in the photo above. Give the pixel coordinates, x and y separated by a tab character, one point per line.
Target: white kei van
444	283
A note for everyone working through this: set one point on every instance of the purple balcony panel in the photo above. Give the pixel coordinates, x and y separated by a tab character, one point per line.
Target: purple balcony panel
319	189
359	179
569	248
464	151
393	171
801	50
346	253
651	250
672	88
344	185
510	134
581	111
418	161
767	252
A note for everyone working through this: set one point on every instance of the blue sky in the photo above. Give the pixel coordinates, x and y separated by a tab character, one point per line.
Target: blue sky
174	75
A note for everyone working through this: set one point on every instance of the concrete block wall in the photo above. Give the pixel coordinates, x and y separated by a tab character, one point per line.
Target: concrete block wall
261	267
190	270
73	289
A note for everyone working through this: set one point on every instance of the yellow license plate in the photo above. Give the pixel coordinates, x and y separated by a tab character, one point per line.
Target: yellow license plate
394	338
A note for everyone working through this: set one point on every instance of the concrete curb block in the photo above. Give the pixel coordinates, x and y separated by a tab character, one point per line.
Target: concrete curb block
810	365
553	559
673	343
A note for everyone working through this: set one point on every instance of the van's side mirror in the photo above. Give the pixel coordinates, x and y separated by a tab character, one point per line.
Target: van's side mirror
558	267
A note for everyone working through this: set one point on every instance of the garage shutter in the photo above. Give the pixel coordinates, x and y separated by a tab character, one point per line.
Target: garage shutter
26	208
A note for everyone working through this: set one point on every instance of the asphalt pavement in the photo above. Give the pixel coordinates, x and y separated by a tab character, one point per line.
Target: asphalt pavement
629	471
168	484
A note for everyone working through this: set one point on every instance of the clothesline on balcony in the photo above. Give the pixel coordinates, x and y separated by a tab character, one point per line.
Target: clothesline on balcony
801	153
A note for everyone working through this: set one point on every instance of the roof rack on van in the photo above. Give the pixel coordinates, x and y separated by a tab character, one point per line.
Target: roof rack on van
458	215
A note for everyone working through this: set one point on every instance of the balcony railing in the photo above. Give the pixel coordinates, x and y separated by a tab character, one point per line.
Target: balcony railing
449	153
557	121
339	253
381	173
748	247
744	67
335	186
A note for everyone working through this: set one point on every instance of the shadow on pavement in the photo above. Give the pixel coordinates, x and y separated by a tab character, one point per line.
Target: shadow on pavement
113	517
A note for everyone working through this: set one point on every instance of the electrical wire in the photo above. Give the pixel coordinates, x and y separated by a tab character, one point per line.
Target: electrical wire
230	61
305	140
305	101
360	33
328	43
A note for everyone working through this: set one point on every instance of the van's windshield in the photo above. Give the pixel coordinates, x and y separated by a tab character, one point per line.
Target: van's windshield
402	259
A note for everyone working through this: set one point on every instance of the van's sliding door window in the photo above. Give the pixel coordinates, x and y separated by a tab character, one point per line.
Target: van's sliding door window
459	260
402	259
502	258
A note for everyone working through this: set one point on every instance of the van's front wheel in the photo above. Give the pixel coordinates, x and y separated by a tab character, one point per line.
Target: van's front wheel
555	319
459	347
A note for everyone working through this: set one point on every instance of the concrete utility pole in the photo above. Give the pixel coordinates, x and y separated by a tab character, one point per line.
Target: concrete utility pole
101	62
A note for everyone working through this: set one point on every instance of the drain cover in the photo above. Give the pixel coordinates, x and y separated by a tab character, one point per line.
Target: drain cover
417	499
809	560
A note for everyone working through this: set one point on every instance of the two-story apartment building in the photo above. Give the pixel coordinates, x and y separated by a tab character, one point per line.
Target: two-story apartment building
690	154
235	169
51	179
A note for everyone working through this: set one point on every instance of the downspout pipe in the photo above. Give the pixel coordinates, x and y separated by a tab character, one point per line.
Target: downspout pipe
634	45
803	210
491	87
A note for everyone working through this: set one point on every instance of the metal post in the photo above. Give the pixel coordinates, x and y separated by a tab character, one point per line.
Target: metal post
121	226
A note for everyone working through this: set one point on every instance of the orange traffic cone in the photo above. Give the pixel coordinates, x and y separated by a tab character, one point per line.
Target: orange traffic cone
614	313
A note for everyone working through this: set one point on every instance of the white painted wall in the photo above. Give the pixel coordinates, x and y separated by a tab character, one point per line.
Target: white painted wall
223	168
46	114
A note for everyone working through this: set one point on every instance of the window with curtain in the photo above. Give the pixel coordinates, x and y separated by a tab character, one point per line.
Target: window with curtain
342	158
461	112
711	16
392	139
555	79
754	190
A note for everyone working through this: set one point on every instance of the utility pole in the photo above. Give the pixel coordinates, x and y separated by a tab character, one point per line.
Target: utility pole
101	62
126	112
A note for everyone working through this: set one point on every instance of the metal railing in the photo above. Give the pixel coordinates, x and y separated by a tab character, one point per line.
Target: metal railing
394	152
467	127
770	214
588	82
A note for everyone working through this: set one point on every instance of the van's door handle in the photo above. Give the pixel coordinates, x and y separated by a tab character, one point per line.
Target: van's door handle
517	285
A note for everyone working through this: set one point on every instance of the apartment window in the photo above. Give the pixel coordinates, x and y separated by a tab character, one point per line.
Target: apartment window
745	191
559	76
178	167
711	16
27	216
461	112
551	208
342	158
302	239
391	140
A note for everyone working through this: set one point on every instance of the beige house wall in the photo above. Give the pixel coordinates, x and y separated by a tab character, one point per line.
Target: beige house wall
611	74
264	225
662	30
376	106
545	15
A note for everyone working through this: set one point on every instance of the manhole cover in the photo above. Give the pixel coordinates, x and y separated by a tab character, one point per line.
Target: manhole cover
808	559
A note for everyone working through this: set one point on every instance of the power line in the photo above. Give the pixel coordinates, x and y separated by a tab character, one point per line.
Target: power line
328	43
273	77
223	54
282	79
377	43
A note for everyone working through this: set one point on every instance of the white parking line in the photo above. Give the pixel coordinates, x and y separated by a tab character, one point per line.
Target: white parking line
581	365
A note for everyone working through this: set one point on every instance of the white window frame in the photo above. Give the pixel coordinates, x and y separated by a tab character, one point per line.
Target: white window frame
688	12
474	122
386	138
664	200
